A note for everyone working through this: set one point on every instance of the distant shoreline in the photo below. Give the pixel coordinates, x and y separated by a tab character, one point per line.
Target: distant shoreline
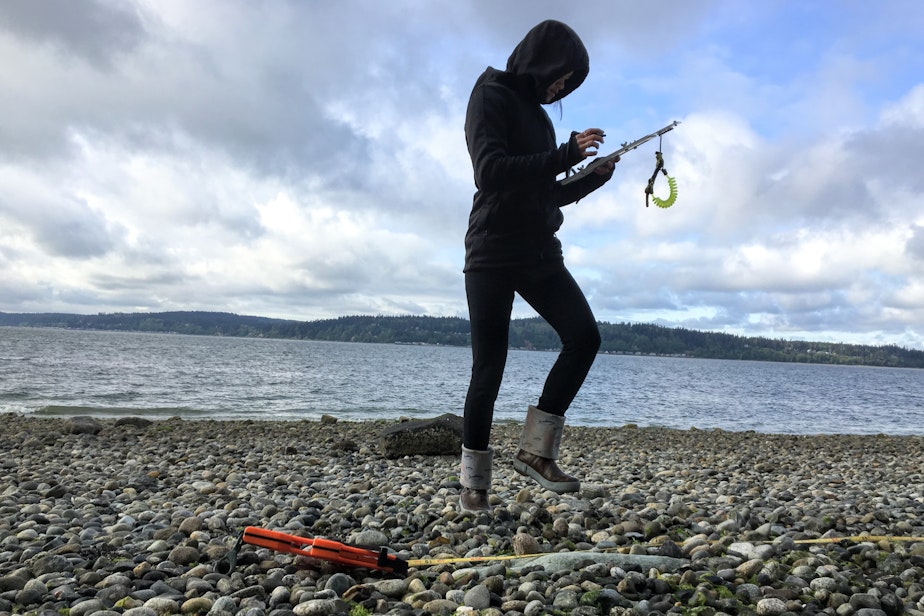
632	339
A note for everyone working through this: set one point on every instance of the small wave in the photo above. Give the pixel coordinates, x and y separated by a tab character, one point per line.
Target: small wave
120	411
15	394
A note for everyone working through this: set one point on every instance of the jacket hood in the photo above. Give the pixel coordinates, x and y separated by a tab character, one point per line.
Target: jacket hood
548	52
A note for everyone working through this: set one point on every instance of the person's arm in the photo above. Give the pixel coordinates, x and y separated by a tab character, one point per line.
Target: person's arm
573	192
486	132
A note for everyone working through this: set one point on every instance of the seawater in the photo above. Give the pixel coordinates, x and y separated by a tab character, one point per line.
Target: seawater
56	372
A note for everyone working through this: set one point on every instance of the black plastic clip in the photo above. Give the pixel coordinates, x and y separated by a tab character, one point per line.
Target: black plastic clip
227	562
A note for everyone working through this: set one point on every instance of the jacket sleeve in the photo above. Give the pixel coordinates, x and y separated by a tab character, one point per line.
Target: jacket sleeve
575	191
496	167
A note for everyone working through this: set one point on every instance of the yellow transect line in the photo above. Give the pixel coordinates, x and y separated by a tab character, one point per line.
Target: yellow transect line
861	538
427	562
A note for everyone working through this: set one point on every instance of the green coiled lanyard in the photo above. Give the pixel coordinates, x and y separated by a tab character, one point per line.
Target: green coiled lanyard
671	182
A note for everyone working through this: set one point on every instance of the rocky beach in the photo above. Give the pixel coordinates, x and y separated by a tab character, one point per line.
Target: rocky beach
132	517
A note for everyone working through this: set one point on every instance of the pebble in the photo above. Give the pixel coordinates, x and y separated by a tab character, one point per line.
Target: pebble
478	597
667	521
770	607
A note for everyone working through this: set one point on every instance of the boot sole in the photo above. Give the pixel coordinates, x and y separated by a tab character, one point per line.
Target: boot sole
559	487
465	509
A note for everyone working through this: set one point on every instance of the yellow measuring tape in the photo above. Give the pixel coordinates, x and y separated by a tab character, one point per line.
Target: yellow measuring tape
429	562
860	539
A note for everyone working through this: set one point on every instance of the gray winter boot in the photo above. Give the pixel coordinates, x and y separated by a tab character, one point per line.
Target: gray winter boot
539	449
475	479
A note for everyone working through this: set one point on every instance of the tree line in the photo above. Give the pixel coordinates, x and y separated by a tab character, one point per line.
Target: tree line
533	334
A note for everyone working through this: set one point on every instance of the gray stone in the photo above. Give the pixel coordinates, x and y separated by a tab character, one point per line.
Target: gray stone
370	539
84	608
56	491
823	583
30	596
837	599
891	604
764	551
770	607
196	605
565	600
223	604
749	568
162	605
11	582
339	583
137	422
321	607
478	597
420	598
279	595
457	596
670	549
524	543
440	606
430	437
391	588
190	525
845	609
868	611
113	593
535	607
748	592
254	590
608	598
862	600
591	491
566	560
83	424
65	593
184	555
744	549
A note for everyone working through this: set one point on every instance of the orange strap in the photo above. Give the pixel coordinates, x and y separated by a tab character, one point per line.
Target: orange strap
325	549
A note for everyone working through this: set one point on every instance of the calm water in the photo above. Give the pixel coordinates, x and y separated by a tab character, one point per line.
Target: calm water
60	372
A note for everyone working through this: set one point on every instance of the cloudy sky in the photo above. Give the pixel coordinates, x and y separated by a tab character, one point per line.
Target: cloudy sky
305	159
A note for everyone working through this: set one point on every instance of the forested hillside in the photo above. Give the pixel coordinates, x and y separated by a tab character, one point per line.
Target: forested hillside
534	334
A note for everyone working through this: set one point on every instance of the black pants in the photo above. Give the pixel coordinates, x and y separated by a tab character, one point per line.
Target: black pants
554	294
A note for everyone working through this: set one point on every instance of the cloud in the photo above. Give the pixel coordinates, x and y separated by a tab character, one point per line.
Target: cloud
765	238
915	245
95	31
307	160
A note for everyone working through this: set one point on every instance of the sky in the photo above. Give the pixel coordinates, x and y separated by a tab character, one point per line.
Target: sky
306	159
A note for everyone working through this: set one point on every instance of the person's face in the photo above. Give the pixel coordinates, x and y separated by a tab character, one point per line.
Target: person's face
556	87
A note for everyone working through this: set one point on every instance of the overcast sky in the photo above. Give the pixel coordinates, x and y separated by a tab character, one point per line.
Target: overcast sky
306	159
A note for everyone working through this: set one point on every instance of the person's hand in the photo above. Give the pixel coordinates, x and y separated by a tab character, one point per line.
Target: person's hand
589	141
607	167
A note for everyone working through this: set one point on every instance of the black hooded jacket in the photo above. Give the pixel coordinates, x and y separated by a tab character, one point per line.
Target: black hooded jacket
511	140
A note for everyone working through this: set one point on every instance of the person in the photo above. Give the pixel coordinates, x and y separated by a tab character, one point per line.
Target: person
511	248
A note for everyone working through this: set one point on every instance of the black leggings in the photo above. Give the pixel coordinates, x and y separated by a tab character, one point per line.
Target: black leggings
553	293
